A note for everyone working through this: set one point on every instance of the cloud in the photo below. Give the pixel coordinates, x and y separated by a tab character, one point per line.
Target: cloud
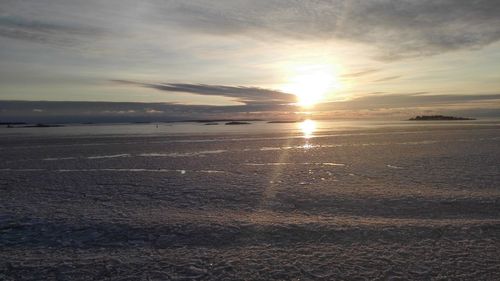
226	43
265	99
389	78
397	28
69	111
246	95
66	34
360	73
370	105
409	100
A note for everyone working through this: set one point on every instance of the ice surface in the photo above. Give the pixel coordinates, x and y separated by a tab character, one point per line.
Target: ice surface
405	203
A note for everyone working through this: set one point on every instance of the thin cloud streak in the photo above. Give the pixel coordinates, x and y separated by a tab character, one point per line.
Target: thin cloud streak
398	29
387	78
406	100
63	34
360	73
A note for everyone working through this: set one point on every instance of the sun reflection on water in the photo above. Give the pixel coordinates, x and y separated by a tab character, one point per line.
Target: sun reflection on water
308	127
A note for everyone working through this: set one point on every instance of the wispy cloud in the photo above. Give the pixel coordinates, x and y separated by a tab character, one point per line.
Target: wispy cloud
360	73
409	100
389	78
398	28
46	31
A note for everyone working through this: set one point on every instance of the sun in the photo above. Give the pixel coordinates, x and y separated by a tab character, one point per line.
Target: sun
311	83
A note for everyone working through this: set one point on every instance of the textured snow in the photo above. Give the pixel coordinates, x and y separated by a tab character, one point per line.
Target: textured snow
386	204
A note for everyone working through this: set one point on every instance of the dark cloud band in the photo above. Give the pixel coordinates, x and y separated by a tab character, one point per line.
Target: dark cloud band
38	111
247	95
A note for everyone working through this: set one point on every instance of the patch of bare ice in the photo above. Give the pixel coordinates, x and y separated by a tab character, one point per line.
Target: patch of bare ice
181	171
108	156
332	164
186	154
20	170
269	148
59	158
291	163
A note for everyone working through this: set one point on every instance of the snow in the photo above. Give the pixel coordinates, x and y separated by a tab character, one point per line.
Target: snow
372	205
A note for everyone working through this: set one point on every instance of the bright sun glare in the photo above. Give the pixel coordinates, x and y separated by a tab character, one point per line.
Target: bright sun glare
311	83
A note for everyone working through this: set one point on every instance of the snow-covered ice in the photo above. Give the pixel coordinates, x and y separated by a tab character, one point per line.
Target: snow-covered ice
405	203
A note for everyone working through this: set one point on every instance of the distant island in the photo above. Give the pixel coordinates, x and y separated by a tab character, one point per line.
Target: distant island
12	123
25	125
237	123
438	118
41	125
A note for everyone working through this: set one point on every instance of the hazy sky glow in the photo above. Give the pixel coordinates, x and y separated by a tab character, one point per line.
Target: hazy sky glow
193	59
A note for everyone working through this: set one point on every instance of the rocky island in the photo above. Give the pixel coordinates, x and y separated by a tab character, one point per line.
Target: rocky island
438	118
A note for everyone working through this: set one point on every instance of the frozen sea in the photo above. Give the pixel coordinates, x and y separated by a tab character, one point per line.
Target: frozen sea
316	200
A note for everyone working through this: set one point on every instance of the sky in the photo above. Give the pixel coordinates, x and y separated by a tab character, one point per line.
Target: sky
65	60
